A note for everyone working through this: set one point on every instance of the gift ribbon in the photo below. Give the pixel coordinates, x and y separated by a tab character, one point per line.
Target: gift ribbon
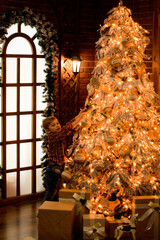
79	199
154	210
97	231
66	200
81	202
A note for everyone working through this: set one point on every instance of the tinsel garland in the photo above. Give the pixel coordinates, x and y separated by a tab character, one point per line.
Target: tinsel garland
48	40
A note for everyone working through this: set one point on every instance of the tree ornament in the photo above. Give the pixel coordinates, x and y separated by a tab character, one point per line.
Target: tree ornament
124	41
122	153
90	89
85	123
106	111
79	158
115	62
146	40
132	96
110	140
66	175
99	165
95	82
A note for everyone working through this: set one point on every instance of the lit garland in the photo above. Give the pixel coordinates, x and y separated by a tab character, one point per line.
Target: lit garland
116	147
48	40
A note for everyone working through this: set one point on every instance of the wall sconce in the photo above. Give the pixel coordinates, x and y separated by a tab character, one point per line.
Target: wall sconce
76	63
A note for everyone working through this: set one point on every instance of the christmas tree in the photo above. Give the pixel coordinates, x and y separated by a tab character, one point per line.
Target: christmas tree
115	151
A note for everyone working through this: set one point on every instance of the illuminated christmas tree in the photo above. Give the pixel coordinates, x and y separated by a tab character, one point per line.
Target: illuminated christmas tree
115	151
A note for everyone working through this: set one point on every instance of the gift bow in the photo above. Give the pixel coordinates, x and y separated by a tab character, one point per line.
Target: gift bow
81	202
96	230
154	208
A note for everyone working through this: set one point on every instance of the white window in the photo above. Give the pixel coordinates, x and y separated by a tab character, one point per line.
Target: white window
21	111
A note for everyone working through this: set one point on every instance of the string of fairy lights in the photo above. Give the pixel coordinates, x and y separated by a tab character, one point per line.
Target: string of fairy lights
116	146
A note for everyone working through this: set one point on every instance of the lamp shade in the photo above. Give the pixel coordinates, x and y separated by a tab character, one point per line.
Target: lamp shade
76	63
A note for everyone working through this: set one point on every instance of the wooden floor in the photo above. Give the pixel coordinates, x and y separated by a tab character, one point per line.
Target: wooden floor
19	220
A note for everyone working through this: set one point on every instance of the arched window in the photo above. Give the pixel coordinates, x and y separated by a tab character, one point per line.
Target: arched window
23	67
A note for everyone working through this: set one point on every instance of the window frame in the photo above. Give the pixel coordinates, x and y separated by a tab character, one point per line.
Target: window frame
34	112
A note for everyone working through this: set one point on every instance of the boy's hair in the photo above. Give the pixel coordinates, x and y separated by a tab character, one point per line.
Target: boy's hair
47	121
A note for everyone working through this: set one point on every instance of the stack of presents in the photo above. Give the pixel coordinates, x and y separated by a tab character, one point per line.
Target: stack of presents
70	219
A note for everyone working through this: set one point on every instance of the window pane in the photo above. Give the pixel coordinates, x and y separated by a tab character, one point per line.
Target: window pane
1	129
0	69
38	48
25	98
11	156
40	104
11	70
26	127
25	70
19	45
11	99
11	184
0	156
25	154
40	70
12	29
38	125
1	46
39	152
28	30
11	128
25	180
39	186
0	99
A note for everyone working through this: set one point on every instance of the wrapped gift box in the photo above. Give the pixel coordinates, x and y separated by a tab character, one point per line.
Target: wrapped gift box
112	224
94	225
81	198
140	205
66	195
56	221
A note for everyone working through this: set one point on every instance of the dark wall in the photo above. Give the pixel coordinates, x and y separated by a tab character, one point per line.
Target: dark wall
77	22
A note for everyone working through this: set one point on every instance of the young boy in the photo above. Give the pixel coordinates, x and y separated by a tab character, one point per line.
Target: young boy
56	153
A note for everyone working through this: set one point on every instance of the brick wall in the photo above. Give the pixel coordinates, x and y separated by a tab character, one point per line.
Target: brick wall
77	22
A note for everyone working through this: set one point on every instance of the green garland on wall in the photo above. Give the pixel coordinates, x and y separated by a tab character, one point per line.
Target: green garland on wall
48	40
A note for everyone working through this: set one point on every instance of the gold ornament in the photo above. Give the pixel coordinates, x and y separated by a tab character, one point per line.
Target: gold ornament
85	123
124	40
122	153
95	82
125	150
90	89
99	165
79	158
132	96
115	62
106	111
66	175
147	40
110	140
